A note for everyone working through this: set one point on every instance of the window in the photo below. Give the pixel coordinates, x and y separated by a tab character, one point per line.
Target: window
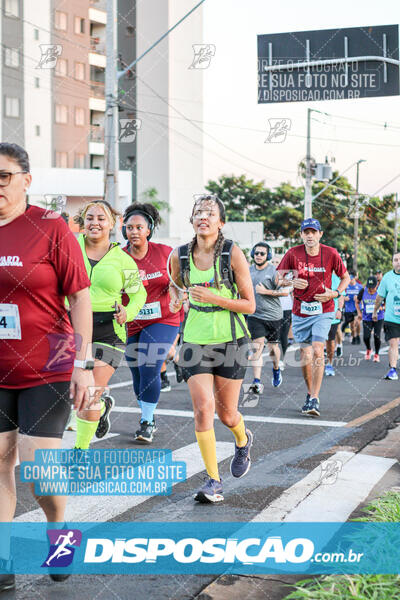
60	20
79	25
79	116
79	162
62	160
11	57
61	113
37	130
80	71
36	34
11	107
37	82
11	8
62	67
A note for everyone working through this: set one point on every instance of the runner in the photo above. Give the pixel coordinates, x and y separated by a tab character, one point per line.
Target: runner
350	310
365	303
110	270
311	265
287	306
152	333
379	275
214	334
332	335
266	322
389	290
40	264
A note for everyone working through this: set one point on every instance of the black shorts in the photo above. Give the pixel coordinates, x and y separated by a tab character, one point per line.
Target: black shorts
332	332
40	411
270	330
227	360
349	317
392	330
106	345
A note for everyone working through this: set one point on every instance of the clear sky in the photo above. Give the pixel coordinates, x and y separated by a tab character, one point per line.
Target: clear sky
239	125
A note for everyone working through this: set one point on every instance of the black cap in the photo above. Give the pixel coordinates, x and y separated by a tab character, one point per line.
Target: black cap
352	273
372	281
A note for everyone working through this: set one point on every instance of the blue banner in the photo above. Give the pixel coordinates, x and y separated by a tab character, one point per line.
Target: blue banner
212	548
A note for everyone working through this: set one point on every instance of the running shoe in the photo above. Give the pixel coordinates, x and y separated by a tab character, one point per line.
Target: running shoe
7	580
256	388
376	358
146	432
392	374
347	331
306	405
165	384
241	462
368	354
354	341
59	576
329	371
313	408
71	423
211	491
179	373
358	340
339	350
276	377
104	423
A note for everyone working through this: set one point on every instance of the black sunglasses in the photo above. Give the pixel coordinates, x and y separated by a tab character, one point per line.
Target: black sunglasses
260	254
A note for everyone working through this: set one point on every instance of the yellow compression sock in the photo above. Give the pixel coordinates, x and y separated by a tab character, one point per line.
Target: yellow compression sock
239	431
208	449
85	431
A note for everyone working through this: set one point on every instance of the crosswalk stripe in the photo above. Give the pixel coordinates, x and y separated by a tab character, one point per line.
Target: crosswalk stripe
258	419
313	500
104	508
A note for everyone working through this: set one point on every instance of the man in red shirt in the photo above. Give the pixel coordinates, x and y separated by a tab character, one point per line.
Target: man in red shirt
310	267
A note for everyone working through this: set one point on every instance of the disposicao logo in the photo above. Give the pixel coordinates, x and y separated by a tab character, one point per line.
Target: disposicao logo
62	547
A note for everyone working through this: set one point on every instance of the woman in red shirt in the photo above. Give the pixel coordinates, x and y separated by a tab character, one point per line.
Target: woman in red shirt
152	333
40	264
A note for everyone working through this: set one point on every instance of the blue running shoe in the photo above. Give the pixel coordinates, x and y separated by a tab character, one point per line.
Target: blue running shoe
392	374
306	405
329	371
313	408
241	462
276	377
211	491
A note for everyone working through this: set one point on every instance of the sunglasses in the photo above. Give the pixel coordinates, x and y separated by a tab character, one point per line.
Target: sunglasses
260	254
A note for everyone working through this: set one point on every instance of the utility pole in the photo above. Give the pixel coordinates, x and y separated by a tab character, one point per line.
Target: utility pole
111	129
356	218
308	188
396	222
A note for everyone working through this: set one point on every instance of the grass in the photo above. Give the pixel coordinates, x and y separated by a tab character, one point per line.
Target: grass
357	587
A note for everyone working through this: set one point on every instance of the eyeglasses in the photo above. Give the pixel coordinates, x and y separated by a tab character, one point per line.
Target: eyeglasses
260	254
5	177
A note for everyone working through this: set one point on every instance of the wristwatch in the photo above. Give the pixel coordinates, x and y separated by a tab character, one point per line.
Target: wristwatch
88	365
338	293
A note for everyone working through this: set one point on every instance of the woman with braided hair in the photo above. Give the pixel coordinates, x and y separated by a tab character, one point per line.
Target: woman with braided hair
215	339
153	331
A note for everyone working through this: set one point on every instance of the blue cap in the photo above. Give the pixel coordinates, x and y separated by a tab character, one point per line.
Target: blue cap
310	224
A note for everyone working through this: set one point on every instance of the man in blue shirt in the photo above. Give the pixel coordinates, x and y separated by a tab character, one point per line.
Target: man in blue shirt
389	290
350	309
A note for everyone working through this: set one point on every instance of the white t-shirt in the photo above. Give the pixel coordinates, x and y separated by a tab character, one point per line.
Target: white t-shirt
287	301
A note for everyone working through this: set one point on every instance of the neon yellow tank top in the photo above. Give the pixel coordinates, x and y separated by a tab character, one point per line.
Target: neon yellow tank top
210	327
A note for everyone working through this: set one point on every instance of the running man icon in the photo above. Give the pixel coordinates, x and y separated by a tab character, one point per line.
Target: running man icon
62	542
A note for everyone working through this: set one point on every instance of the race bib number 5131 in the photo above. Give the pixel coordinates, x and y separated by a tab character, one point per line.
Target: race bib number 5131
10	325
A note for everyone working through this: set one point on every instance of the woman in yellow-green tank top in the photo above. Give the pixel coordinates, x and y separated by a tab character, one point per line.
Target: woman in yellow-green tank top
214	353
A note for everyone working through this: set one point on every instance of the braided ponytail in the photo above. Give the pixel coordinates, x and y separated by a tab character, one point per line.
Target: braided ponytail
217	252
186	273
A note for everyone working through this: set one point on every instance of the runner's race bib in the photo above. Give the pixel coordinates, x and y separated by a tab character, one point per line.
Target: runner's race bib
369	309
311	308
149	311
10	325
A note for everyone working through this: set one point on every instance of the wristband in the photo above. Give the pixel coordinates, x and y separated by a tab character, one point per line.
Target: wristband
88	365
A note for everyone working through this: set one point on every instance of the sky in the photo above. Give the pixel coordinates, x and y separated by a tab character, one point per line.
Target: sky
236	127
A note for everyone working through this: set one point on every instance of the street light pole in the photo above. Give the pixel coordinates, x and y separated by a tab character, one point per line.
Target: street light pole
308	184
396	222
356	219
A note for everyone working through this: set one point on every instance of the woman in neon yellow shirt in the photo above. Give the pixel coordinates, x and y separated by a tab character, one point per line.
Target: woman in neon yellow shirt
214	353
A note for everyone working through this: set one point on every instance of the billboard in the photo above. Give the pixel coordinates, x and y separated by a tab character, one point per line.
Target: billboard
329	64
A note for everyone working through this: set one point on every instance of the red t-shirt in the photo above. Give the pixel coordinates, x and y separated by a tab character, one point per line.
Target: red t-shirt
316	269
40	263
153	272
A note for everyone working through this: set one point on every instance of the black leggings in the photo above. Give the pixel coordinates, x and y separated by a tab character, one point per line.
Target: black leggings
285	326
368	326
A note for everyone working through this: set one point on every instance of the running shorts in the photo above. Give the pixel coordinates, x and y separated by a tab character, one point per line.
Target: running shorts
227	360
40	411
392	330
106	345
270	330
332	332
